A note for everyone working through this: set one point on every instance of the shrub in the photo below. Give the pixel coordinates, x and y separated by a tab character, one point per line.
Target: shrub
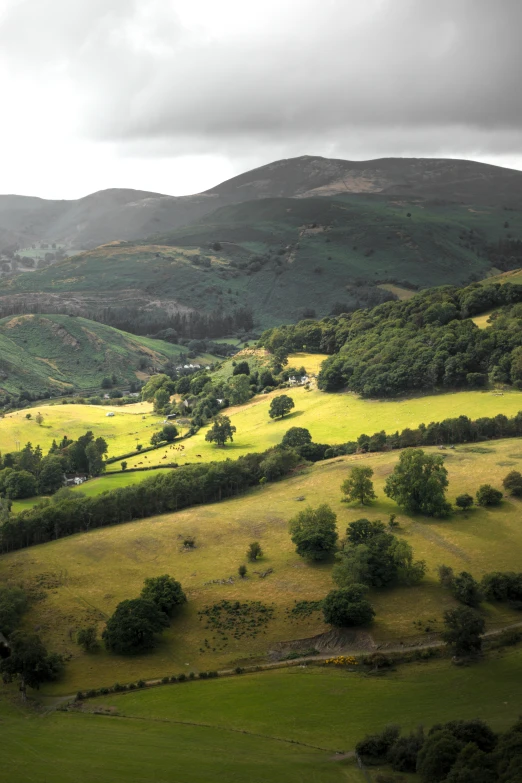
254	551
242	571
314	532
488	496
182	678
373	749
165	592
348	607
466	589
87	638
464	501
140	683
165	680
513	483
133	626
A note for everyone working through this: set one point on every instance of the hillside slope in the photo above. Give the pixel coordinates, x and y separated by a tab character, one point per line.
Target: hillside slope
33	224
53	353
277	257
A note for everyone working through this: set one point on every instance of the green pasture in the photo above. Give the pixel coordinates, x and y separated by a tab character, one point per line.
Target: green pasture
334	708
286	724
85	576
331	418
83	748
130	424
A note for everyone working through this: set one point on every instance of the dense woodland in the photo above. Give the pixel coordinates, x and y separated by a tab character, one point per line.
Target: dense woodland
426	343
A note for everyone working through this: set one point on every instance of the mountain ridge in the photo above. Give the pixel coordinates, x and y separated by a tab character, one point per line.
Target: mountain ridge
122	214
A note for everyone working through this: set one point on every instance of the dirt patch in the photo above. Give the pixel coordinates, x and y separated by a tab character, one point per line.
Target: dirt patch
332	642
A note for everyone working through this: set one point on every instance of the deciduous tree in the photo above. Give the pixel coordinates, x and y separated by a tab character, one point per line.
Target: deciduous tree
358	486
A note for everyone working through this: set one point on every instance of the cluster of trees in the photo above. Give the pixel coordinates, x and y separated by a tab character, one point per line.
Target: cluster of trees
167	492
371	556
424	343
460	751
136	622
204	396
375	557
495	586
28	472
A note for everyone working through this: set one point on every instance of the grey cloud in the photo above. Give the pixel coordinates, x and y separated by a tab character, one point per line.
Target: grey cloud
388	75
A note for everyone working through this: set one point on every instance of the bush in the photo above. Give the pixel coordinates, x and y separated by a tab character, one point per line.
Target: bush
374	748
466	589
242	571
87	638
488	496
314	532
348	607
254	551
513	483
133	627
464	501
165	592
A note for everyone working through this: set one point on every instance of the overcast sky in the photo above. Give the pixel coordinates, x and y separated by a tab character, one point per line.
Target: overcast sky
175	96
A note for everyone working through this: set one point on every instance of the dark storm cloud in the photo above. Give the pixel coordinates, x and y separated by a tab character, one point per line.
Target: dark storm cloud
391	73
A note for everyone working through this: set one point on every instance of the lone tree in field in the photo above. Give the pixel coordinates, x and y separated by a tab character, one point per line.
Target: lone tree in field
464	629
464	501
513	483
295	437
254	551
488	496
133	627
39	419
418	483
314	532
347	607
280	406
359	485
221	431
165	592
29	662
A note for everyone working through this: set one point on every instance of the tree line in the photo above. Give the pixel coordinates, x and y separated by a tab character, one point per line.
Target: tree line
163	493
193	325
424	343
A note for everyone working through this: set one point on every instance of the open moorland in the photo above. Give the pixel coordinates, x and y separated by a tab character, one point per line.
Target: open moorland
80	579
279	257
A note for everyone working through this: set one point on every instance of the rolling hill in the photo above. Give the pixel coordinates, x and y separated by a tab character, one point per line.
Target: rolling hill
120	214
277	257
59	353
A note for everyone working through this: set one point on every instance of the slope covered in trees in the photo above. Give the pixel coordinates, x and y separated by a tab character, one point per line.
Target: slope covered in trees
428	342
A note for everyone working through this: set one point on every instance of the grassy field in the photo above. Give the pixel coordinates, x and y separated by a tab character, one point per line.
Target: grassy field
130	424
255	727
83	577
95	486
482	321
331	418
81	748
